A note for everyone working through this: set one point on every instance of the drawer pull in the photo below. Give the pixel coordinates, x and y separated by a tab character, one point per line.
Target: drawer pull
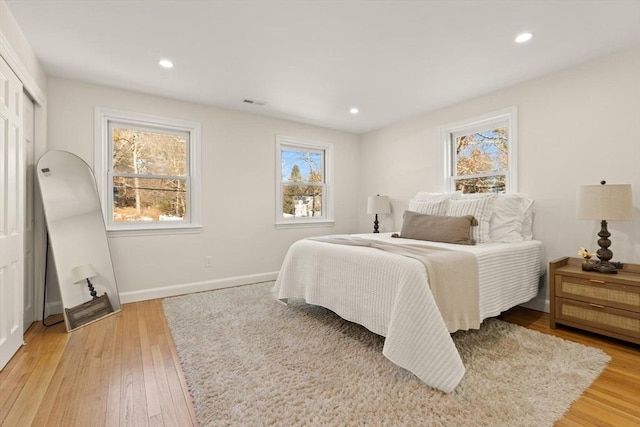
596	281
596	305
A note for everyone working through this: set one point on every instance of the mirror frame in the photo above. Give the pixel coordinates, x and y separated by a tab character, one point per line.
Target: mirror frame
77	237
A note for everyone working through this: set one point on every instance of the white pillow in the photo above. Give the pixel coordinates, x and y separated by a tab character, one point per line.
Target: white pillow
469	196
433	197
527	223
506	221
480	208
512	217
428	207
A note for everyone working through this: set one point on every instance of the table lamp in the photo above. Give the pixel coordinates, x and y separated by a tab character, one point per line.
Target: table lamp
85	272
378	205
605	203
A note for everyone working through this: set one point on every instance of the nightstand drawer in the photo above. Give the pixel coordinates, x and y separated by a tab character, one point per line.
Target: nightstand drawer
598	318
598	291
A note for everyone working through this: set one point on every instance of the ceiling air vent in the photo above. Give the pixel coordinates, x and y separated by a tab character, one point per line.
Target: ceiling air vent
251	101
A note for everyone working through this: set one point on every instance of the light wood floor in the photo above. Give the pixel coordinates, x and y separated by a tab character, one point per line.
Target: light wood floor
124	371
120	371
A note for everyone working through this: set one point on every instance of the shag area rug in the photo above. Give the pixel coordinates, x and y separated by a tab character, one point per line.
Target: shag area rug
251	361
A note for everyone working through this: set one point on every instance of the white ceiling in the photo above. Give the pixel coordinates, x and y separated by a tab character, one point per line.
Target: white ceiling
311	60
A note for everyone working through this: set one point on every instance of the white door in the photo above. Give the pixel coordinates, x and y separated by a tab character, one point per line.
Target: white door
12	178
28	120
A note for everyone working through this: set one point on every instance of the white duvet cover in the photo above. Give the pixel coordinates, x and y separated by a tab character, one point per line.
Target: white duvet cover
389	294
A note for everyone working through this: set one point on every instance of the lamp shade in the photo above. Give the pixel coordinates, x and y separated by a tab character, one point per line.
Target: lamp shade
82	272
605	202
378	205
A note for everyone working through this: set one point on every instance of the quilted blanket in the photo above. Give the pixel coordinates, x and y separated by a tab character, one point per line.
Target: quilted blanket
387	293
452	276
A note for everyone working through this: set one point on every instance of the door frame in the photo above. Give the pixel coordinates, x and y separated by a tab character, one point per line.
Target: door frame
28	132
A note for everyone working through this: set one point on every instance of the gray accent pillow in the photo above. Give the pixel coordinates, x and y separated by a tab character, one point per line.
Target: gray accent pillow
435	228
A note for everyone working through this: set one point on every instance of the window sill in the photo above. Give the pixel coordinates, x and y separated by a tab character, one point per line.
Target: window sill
305	224
153	231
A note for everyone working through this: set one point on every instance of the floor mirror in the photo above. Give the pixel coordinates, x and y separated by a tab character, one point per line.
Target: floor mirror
77	239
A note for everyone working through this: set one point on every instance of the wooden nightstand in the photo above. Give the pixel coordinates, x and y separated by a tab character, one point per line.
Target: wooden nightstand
608	304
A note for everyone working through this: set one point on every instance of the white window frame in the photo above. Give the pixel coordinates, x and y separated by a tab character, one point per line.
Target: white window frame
104	178
327	218
506	117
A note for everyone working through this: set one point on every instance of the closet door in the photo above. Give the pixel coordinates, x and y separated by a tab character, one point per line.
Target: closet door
12	189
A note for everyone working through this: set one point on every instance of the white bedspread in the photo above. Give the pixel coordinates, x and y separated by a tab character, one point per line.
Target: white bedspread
389	294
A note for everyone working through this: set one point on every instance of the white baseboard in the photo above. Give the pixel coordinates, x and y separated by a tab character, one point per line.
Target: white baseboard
188	288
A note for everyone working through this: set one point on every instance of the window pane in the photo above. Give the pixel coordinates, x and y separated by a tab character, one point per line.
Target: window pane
490	184
482	152
146	152
301	201
302	166
149	199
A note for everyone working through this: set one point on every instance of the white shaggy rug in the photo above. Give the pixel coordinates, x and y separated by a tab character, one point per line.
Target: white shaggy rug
251	361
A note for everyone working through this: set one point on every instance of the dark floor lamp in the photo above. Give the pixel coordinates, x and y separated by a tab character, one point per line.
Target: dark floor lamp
605	203
378	205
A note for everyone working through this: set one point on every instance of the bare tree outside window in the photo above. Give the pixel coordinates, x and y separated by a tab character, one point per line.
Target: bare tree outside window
149	174
482	161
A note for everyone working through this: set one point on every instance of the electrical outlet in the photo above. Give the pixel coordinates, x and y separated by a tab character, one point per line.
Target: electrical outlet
208	261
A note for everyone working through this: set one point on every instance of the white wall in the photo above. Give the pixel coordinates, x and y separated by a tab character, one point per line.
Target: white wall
15	49
575	127
238	180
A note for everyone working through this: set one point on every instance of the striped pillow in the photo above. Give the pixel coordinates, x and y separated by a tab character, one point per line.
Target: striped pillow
481	209
425	196
427	207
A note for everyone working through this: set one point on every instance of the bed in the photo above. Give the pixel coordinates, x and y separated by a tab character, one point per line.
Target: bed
391	295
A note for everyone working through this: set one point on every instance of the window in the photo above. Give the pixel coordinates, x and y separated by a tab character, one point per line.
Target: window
480	154
303	183
147	171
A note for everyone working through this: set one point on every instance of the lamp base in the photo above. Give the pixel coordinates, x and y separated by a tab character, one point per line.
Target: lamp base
92	291
604	253
605	267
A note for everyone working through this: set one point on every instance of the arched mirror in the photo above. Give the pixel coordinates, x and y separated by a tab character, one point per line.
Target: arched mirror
77	239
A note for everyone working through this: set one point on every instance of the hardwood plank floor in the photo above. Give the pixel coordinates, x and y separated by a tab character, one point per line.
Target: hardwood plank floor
124	370
120	371
613	399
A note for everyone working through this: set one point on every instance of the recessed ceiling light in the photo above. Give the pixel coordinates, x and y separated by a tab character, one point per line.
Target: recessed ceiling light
523	37
165	63
354	110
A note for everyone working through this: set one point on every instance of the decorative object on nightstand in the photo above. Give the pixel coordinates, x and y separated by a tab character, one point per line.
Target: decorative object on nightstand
587	262
607	305
378	205
82	273
605	203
